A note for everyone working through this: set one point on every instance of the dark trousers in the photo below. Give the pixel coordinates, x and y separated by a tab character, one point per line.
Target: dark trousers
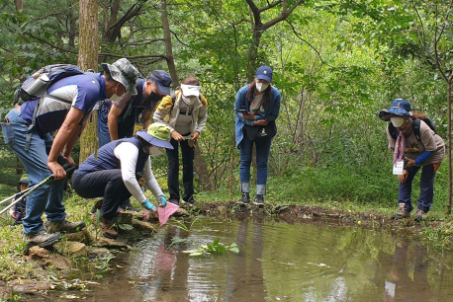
426	187
187	170
108	184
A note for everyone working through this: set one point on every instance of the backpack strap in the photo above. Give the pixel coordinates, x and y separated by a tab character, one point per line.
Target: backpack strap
392	130
31	127
416	128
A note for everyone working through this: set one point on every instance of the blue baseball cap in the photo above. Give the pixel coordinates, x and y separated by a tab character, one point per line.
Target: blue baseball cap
401	107
264	73
162	80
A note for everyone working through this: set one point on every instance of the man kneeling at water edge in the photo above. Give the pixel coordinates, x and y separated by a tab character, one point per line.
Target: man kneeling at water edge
120	170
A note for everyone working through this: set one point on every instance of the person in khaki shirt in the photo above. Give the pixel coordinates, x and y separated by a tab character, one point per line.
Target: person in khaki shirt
427	151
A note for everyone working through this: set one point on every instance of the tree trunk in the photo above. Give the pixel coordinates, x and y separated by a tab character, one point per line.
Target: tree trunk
168	44
200	166
19	4
88	59
449	145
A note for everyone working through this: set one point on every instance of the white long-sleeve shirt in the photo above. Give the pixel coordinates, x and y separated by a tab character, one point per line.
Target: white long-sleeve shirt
127	153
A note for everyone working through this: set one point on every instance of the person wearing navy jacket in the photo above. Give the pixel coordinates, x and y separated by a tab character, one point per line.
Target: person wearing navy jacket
257	107
121	168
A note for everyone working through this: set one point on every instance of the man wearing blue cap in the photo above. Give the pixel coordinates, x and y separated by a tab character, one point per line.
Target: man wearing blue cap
257	107
424	149
122	167
121	117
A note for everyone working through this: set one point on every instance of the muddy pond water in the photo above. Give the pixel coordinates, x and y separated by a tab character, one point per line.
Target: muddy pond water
276	262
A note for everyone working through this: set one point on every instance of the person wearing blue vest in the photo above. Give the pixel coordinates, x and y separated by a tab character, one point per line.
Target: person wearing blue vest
118	118
257	107
66	107
121	168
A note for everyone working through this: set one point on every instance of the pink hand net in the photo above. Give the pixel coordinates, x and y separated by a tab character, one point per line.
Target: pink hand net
166	212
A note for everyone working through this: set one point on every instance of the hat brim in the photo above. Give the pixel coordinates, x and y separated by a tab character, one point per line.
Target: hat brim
153	140
116	74
162	89
384	115
399	111
264	77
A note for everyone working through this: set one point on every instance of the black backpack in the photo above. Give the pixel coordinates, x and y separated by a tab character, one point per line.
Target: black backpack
36	85
415	126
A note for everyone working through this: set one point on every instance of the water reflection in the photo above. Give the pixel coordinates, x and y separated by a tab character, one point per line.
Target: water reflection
245	276
279	262
409	274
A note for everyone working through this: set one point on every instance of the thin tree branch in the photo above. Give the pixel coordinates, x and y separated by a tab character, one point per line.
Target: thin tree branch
100	54
55	13
282	16
308	43
270	5
240	21
177	38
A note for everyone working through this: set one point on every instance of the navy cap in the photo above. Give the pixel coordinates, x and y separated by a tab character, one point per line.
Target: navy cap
401	107
264	73
162	80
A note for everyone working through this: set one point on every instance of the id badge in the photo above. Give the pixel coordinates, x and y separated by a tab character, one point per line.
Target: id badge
398	168
137	126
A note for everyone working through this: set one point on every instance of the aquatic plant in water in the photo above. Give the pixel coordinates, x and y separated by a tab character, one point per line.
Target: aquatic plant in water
214	248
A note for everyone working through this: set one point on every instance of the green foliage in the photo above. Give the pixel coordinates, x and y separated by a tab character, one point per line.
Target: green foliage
214	248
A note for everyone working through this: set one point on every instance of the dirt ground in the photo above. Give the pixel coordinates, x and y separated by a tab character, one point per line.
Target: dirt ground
318	216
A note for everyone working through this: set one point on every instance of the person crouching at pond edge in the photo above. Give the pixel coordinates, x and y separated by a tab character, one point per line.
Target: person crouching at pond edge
121	169
257	107
427	151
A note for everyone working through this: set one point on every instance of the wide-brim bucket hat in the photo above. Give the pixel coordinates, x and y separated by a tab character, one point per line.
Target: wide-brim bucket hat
157	135
400	107
123	72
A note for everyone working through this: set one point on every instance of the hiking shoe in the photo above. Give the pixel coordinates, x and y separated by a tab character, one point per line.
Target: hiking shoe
97	206
108	228
245	199
420	215
402	212
174	201
42	238
259	200
64	226
188	203
130	208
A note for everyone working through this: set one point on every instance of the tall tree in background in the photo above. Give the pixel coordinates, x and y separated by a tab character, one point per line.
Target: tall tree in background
200	167
88	59
258	27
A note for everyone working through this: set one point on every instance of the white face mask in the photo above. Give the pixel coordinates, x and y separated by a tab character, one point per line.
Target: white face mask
116	97
189	101
155	151
397	121
261	86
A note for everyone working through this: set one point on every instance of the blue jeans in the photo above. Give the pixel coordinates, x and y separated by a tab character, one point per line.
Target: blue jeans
48	197
426	187
263	148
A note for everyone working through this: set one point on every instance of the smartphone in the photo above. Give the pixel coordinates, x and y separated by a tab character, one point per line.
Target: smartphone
242	110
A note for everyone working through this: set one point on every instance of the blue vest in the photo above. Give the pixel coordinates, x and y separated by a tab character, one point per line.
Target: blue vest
108	161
